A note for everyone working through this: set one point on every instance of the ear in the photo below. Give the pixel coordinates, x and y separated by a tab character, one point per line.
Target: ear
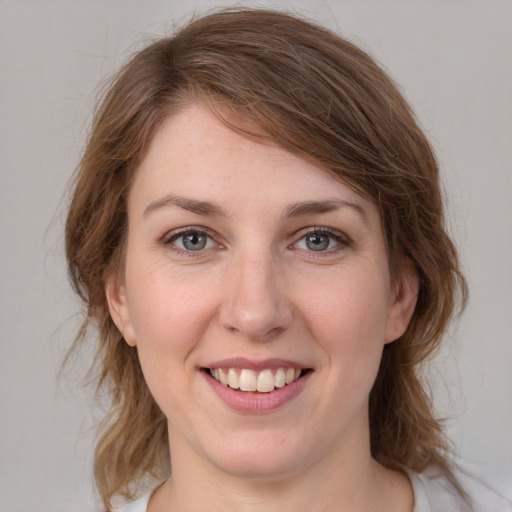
119	308
402	301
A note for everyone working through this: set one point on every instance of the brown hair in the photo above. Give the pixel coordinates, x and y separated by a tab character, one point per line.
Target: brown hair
320	97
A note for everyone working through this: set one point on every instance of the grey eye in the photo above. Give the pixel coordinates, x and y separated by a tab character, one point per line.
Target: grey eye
191	240
317	242
194	241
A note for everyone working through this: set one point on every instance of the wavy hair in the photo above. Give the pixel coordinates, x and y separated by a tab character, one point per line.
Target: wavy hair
285	80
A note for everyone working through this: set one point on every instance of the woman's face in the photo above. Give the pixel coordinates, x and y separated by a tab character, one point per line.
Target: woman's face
249	267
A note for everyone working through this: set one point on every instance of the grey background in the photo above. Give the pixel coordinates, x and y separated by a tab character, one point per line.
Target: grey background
454	61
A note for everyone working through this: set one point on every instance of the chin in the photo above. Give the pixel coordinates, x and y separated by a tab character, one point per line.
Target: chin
248	468
262	457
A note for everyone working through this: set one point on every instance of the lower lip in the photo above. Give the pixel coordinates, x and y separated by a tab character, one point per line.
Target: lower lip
253	403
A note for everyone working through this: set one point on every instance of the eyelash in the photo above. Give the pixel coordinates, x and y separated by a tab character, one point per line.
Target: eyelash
190	230
341	239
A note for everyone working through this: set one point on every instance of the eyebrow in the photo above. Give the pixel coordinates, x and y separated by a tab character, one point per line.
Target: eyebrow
192	205
325	206
207	208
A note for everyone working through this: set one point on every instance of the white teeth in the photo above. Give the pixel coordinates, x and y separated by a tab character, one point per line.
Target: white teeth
264	381
280	378
247	380
233	379
223	377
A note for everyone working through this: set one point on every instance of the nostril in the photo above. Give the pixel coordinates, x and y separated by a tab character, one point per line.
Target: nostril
256	307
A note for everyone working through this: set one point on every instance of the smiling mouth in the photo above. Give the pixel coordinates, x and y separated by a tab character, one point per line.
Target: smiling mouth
264	381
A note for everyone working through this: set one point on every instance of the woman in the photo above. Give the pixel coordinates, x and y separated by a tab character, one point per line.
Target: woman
257	233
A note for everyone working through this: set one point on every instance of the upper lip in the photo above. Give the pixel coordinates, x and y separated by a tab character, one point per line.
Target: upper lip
256	365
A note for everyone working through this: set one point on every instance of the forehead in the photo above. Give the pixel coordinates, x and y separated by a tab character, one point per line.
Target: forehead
193	152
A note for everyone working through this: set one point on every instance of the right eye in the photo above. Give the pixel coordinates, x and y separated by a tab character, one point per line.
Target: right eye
191	240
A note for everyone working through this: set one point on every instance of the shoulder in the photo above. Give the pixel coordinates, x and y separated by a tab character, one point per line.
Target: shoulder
434	493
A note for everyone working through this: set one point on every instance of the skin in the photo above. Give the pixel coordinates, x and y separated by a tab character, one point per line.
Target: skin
257	290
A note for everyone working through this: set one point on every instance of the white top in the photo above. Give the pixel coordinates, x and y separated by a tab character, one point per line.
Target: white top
430	495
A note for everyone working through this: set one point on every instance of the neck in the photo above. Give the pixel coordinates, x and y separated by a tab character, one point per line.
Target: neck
355	483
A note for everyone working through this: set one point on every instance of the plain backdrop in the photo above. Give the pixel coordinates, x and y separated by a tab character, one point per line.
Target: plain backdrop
454	62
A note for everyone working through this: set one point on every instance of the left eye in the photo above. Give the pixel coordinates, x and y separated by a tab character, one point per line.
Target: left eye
192	241
318	241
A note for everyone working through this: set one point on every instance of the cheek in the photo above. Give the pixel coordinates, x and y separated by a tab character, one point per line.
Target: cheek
349	306
167	306
347	317
169	314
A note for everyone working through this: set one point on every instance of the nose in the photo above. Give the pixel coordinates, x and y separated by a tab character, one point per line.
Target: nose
256	302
